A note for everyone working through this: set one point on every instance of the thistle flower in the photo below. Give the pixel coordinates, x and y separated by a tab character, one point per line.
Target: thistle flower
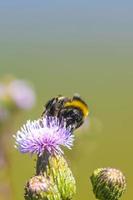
38	183
108	183
46	134
40	188
21	94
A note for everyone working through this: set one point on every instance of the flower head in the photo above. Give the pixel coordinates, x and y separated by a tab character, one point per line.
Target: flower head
22	94
108	183
46	134
40	188
38	183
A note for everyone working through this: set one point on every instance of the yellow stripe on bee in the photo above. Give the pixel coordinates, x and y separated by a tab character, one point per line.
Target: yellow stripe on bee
80	105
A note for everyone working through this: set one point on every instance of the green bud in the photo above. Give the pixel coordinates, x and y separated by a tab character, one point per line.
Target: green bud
62	176
108	183
41	188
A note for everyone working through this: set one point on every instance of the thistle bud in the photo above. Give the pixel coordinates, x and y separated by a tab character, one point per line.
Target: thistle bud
108	183
41	188
62	176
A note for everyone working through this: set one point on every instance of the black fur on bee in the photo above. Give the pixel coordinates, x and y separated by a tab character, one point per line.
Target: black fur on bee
72	110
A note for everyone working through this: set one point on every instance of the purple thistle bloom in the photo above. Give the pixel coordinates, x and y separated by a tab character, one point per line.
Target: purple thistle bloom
22	94
46	134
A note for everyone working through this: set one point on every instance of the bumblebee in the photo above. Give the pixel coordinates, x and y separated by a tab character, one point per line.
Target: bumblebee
73	110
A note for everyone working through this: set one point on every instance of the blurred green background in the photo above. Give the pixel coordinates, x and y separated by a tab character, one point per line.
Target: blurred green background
67	47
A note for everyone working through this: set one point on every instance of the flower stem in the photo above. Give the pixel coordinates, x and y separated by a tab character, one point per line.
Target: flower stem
42	162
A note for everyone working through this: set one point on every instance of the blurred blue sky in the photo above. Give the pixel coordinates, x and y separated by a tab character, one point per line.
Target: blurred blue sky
66	20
